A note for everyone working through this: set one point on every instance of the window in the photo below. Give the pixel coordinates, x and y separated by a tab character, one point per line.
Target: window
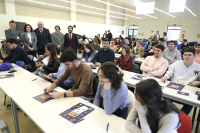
173	32
132	31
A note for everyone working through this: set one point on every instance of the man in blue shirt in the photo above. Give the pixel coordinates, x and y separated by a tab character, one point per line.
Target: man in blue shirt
105	54
17	53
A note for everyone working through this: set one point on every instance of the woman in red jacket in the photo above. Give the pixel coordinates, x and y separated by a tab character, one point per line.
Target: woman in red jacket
125	61
118	43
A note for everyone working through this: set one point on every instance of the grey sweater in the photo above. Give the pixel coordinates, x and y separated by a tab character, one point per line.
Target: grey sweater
113	98
167	123
174	54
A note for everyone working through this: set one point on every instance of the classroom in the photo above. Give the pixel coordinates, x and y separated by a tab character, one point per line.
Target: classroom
99	66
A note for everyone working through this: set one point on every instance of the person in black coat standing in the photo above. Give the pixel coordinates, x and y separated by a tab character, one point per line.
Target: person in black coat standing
43	37
71	40
109	36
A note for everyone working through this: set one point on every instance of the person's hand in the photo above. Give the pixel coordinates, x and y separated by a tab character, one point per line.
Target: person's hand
56	95
164	79
107	85
194	83
171	60
98	64
138	56
41	64
155	69
1	61
50	75
145	64
31	49
151	51
137	103
58	46
47	89
37	64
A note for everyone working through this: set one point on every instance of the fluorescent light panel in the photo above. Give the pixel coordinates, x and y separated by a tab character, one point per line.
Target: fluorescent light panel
164	12
73	9
145	8
190	11
177	5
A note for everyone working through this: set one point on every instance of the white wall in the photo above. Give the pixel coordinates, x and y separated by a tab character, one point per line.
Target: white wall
90	29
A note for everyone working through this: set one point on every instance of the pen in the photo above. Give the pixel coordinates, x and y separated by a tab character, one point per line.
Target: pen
78	121
107	127
34	79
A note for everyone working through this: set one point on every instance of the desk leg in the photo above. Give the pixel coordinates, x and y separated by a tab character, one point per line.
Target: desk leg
15	116
193	116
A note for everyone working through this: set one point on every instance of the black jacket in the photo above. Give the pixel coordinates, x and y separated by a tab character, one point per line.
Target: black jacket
52	66
43	39
73	43
109	36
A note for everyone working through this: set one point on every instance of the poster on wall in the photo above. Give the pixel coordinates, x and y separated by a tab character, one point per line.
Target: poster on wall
198	35
142	34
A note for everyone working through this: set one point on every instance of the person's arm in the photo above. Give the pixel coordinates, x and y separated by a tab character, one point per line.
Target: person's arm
178	57
77	45
53	41
62	78
55	75
144	67
62	41
84	84
14	58
97	98
112	57
65	41
24	41
35	41
130	121
92	56
117	61
129	65
170	73
96	58
161	69
81	57
169	123
9	36
52	69
133	51
49	37
112	104
141	52
69	82
20	37
9	57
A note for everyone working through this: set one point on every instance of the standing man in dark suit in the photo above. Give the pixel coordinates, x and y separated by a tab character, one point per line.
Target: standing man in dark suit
156	36
109	36
43	37
71	40
13	33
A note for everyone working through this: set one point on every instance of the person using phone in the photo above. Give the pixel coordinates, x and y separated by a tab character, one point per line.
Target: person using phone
112	92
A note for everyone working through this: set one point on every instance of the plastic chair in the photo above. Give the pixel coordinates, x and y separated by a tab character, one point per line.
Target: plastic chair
186	124
131	101
20	63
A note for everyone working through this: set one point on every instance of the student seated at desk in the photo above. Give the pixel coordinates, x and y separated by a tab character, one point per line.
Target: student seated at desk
125	61
150	52
113	47
67	84
88	53
147	45
154	114
162	42
185	72
197	54
118	43
155	66
171	54
81	74
49	63
96	45
138	51
17	53
105	54
112	92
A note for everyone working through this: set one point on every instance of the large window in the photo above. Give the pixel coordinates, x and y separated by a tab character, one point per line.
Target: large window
132	31
173	32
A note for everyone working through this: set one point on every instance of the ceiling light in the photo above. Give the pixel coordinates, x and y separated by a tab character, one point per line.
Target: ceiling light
177	5
190	11
164	12
145	8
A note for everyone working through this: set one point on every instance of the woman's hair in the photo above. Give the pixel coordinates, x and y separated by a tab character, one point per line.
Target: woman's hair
148	92
89	46
51	47
96	42
58	27
128	53
116	41
113	73
83	38
26	26
165	33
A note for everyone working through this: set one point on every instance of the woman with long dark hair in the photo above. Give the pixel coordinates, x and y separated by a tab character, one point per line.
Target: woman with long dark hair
125	61
88	53
118	43
49	62
112	92
155	115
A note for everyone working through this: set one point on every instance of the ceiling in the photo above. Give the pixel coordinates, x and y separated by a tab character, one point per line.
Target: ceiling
193	5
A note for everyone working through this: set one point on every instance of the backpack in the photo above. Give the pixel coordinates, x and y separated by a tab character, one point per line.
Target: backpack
5	66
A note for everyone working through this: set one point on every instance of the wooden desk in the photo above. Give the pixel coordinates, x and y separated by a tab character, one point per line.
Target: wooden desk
21	89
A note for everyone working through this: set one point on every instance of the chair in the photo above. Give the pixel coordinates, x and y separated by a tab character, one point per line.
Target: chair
136	68
186	124
131	101
20	63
